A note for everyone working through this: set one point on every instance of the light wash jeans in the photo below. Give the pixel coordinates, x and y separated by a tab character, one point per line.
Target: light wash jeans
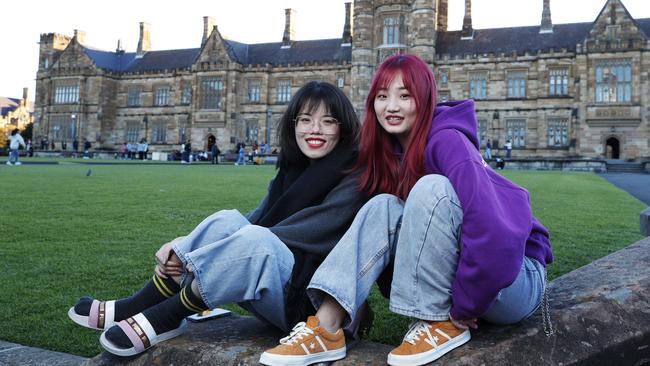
234	261
13	156
422	236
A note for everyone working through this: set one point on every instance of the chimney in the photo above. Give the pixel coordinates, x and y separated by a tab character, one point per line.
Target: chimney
119	48
442	15
208	25
289	28
468	31
547	23
23	102
80	36
347	28
144	43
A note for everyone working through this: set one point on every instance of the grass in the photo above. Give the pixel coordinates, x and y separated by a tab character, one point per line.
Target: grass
65	235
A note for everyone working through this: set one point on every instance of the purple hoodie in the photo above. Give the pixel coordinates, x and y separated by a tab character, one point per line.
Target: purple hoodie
498	226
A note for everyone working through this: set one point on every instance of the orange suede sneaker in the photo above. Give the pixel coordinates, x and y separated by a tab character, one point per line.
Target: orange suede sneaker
306	344
426	342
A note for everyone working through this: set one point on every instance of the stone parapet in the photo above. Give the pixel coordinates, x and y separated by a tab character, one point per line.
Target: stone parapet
600	315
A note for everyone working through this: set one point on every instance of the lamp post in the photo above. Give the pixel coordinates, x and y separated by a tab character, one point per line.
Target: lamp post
145	120
73	127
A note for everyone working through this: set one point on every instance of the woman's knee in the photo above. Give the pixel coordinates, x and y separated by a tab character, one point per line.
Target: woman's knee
433	186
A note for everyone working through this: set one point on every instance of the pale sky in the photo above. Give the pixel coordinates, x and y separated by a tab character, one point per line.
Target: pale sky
179	24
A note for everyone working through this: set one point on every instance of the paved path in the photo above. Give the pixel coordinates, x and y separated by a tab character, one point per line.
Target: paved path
638	185
14	354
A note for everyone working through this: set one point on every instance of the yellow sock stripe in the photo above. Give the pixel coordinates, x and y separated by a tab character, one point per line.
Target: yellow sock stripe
161	287
170	293
186	302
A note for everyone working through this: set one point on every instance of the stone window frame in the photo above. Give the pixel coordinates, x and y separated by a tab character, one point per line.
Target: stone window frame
62	127
132	131
159	132
516	132
478	84
283	92
340	80
516	83
443	77
186	94
482	128
558	81
393	30
161	95
66	91
134	96
613	32
254	90
617	90
212	88
557	132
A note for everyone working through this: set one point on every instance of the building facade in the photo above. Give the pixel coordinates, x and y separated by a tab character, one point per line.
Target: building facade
554	90
15	113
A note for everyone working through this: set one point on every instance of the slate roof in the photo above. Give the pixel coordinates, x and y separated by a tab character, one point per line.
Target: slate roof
519	39
497	40
8	105
323	50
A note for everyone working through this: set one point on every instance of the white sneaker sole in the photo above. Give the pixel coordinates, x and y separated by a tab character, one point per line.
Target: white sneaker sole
272	359
429	356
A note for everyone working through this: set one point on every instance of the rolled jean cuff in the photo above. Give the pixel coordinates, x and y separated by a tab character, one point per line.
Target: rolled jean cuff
314	292
418	315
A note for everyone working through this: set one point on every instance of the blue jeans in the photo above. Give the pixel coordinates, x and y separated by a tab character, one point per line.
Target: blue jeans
422	236
13	156
232	260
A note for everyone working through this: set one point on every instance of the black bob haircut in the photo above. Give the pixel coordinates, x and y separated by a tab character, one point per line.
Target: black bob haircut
309	98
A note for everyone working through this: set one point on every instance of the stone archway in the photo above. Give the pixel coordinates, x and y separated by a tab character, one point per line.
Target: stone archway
211	141
613	148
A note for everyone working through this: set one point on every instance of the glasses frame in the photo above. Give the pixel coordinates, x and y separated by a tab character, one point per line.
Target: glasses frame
322	128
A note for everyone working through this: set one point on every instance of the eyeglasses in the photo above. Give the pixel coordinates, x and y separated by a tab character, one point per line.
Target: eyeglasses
327	125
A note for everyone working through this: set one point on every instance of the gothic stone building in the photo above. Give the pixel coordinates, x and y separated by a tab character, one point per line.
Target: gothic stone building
554	90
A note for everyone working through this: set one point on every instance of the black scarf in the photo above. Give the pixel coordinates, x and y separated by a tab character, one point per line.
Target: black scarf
299	187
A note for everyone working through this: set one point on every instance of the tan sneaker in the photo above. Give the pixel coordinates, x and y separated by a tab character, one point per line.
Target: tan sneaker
426	342
306	344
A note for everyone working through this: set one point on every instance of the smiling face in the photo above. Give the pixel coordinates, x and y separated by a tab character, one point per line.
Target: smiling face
317	132
395	110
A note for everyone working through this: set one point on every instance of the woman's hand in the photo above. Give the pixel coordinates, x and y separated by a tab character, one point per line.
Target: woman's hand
167	262
464	323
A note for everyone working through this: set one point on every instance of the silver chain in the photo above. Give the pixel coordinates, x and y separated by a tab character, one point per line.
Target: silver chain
546	311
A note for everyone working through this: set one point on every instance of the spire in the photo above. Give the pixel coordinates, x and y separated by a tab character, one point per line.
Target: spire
347	27
468	31
442	15
547	23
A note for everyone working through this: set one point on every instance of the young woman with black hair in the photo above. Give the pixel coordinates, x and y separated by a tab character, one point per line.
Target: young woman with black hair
263	260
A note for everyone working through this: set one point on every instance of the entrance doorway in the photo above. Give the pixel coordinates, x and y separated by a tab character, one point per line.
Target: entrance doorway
612	148
211	141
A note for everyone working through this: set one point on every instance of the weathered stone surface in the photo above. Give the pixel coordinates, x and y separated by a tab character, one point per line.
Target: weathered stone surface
12	354
232	340
600	313
645	222
601	316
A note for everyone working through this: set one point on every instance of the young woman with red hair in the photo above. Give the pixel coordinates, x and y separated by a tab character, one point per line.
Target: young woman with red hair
462	239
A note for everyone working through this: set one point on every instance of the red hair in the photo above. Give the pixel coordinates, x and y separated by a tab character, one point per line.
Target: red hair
381	169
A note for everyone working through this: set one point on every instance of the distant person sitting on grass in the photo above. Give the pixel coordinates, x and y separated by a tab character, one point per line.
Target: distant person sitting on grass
15	142
263	260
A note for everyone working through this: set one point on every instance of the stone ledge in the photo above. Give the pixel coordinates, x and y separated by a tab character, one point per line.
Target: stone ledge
601	313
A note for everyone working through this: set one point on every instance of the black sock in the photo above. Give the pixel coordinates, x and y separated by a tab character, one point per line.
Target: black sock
153	292
164	316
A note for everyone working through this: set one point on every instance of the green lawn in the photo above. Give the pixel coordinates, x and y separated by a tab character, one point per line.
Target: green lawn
65	234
